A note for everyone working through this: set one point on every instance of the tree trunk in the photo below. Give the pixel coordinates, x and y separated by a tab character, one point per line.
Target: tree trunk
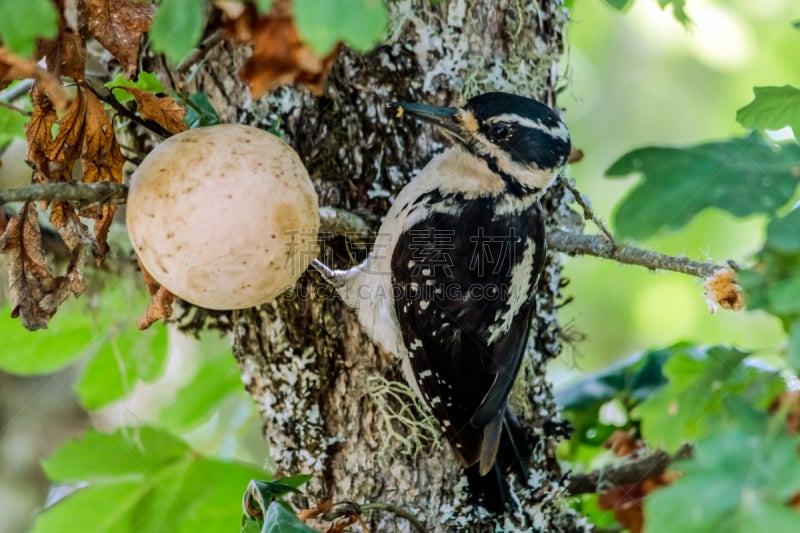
333	404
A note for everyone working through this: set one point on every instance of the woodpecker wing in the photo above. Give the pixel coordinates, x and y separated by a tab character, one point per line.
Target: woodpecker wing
462	284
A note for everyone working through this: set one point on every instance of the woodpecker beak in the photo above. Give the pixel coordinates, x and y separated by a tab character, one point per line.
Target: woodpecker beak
449	119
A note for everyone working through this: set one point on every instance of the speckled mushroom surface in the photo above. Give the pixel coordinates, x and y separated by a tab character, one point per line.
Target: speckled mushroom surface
225	217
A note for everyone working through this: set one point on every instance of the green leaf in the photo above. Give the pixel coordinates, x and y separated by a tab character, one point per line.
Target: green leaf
263	5
67	337
216	380
782	233
103	331
129	453
784	296
772	109
794	346
359	23
738	480
280	520
678	10
126	355
21	23
691	404
199	111
636	378
177	27
250	525
773	284
620	5
741	176
12	125
146	81
143	480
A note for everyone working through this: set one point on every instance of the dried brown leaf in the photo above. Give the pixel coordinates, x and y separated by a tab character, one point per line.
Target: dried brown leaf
13	67
159	308
35	294
790	402
163	110
66	54
623	443
279	55
323	507
38	132
118	25
722	290
102	160
627	501
65	149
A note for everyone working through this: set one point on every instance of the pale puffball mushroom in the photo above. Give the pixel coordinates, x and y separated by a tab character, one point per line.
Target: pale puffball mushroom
225	217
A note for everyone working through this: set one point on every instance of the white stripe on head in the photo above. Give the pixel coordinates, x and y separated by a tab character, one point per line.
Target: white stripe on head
559	131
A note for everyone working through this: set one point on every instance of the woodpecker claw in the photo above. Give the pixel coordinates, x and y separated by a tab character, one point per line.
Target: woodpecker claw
324	270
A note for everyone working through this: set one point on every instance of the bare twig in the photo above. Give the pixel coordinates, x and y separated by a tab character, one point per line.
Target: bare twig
18	90
588	212
340	222
107	95
200	52
626	473
85	193
577	244
350	508
15	108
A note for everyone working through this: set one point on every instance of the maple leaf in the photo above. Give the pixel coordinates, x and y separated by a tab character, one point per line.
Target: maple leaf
101	160
279	55
35	294
118	25
163	110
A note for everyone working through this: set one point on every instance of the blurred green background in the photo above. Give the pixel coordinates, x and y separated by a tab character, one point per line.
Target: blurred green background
639	78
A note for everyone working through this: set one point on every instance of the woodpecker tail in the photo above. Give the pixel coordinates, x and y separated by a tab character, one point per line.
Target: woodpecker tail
492	490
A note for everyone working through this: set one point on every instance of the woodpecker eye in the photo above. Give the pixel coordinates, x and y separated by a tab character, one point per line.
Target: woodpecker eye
499	132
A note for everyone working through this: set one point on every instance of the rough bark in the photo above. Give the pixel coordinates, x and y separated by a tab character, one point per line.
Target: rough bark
330	400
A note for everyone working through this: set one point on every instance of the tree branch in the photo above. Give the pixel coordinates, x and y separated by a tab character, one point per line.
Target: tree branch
577	244
340	222
626	473
104	192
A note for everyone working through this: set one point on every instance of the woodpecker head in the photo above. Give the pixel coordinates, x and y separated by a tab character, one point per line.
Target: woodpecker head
520	139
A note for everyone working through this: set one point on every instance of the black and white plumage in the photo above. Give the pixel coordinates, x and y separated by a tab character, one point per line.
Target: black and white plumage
449	284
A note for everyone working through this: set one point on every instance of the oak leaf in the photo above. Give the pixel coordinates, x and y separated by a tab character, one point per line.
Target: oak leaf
118	25
280	56
163	110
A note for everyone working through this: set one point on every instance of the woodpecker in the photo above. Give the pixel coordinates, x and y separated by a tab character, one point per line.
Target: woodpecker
449	284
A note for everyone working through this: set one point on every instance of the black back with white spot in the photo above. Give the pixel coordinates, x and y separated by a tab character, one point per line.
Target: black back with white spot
446	306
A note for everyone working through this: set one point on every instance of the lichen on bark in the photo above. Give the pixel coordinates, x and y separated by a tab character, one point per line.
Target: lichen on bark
304	358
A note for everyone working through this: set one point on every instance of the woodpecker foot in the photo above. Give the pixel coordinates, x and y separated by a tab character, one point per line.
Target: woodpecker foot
324	270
